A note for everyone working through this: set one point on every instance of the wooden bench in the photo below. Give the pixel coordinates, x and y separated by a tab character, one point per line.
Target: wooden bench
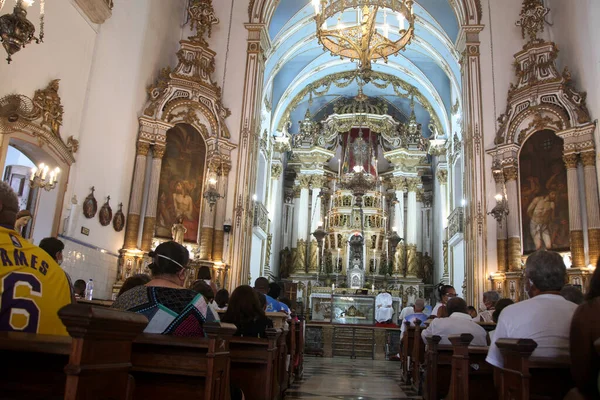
418	358
438	369
93	363
254	365
524	377
407	348
472	377
298	358
167	366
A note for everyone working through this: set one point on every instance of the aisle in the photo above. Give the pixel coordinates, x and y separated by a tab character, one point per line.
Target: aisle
345	379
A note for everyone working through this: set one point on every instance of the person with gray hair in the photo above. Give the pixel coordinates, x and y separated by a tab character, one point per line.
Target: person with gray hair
457	322
490	298
419	307
545	317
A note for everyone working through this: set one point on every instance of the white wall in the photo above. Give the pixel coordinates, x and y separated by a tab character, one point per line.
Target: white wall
104	71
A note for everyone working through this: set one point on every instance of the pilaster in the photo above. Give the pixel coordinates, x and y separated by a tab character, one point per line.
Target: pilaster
150	216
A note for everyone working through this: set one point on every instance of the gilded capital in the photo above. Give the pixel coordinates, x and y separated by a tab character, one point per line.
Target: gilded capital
276	171
571	160
143	148
318	181
413	184
511	173
588	158
296	191
399	183
304	181
420	195
158	151
442	175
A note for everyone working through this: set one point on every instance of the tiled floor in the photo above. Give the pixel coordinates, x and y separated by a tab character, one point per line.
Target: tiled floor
345	379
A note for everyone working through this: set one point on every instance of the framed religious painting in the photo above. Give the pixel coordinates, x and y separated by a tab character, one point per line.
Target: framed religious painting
544	195
181	188
119	219
90	205
105	215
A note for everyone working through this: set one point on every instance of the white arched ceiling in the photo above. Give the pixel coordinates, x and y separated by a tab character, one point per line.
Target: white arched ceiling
295	60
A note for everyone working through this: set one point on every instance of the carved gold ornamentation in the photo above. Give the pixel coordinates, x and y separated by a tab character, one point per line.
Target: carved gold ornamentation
571	160
533	14
157	89
413	262
48	102
577	249
445	251
304	181
297	189
588	158
202	17
420	195
511	173
399	183
72	144
501	251
318	181
412	184
158	151
143	148
442	176
276	171
514	254
399	260
313	263
300	260
594	244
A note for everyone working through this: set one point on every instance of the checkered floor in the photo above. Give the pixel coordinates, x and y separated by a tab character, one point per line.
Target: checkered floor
345	379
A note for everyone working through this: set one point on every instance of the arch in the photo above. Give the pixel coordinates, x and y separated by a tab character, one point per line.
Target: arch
534	119
184	111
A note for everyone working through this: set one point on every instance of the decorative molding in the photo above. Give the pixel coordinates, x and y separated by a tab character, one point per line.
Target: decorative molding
276	171
98	11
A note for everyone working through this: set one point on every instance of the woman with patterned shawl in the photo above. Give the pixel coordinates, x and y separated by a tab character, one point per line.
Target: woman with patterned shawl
170	309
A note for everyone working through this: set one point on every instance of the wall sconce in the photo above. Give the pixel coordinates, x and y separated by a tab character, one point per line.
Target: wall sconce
500	211
40	178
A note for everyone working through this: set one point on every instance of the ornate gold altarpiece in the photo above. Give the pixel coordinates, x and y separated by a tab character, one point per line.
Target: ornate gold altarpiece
544	99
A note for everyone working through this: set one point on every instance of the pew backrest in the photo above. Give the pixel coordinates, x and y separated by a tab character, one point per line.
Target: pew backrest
438	369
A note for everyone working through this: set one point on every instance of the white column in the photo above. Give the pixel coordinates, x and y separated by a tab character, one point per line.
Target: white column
420	219
150	215
575	222
512	220
315	216
411	217
296	218
591	203
303	217
136	198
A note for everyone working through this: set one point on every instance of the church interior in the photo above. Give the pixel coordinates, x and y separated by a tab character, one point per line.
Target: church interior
364	156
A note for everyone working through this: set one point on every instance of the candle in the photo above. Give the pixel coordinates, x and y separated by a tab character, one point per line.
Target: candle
339	168
332	287
33	171
44	172
337	265
373	287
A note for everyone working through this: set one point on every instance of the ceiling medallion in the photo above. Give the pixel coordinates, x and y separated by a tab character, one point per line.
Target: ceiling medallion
16	31
363	39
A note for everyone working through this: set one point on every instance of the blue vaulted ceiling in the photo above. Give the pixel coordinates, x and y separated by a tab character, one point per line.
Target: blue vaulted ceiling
429	63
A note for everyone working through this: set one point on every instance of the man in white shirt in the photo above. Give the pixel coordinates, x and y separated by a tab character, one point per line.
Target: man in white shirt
545	317
458	322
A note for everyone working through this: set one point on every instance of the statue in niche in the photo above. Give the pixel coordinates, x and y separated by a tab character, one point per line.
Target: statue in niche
427	272
178	230
23	218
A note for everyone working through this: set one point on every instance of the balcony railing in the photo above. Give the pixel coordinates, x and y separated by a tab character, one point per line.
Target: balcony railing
456	222
261	217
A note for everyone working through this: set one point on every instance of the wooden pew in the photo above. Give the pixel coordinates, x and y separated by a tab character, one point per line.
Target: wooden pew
291	349
418	357
407	348
438	369
472	377
183	367
76	367
299	357
524	377
254	365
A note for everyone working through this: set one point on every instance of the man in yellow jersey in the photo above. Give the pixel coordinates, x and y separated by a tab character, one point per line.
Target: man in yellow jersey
32	285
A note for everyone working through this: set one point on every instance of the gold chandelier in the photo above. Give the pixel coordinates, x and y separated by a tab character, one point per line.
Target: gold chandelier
363	39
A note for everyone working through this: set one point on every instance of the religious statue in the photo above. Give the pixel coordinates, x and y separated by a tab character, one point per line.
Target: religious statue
178	230
23	218
427	263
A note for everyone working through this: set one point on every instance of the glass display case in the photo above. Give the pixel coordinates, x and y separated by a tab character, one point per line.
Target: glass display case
320	304
352	309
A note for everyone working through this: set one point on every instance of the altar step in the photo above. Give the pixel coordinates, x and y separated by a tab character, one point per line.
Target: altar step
353	342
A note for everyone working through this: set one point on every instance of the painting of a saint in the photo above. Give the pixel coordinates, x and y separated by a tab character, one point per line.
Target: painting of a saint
544	197
180	189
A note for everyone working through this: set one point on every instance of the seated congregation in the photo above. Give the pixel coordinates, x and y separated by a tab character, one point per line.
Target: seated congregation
157	340
545	347
160	339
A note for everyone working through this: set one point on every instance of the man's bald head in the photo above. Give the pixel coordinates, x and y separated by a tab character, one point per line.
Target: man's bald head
9	205
419	305
261	285
456	304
